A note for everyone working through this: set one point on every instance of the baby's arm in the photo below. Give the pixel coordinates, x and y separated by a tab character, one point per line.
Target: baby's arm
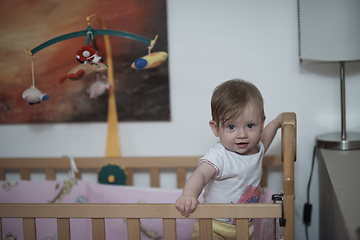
269	132
188	201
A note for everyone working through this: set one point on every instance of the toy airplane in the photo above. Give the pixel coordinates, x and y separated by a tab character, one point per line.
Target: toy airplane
150	61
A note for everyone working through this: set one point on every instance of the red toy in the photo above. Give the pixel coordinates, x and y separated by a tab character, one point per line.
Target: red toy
91	63
88	54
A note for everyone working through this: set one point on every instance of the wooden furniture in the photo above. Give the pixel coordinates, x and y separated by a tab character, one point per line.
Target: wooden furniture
339	181
134	212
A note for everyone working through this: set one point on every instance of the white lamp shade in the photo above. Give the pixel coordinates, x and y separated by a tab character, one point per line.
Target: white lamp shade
329	30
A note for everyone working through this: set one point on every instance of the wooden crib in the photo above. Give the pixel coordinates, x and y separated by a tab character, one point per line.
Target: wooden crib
134	212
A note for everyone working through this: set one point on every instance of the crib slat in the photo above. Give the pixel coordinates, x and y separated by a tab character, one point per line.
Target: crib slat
181	176
50	174
242	227
2	177
205	229
63	228
25	174
289	231
133	228
29	227
129	177
98	228
78	174
264	177
154	177
169	226
1	233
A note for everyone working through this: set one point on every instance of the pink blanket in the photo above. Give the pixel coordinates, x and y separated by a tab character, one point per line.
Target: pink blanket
84	192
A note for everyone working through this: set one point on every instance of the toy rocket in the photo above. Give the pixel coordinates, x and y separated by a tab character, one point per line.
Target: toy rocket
150	61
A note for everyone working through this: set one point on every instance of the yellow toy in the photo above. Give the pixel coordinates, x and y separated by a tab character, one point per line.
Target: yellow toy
151	60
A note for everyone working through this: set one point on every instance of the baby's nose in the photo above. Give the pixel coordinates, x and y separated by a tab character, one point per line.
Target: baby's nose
241	134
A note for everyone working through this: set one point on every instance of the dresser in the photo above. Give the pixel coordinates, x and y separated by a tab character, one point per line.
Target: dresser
339	194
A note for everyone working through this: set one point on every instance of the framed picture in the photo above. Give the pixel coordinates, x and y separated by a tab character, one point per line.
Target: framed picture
141	94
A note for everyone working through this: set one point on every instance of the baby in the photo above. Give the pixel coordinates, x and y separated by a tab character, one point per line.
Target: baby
231	169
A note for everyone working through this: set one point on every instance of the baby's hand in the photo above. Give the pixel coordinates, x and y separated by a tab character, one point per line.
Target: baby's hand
186	204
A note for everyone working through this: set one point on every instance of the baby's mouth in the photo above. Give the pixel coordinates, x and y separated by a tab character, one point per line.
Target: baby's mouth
242	144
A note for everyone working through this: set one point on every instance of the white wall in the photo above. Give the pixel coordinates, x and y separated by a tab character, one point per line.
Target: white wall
210	42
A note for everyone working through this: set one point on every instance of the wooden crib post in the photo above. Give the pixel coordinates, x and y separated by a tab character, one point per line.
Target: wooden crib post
129	177
50	174
288	144
1	233
242	227
154	177
133	228
264	177
63	228
205	229
25	174
78	174
98	228
169	228
2	177
181	176
29	227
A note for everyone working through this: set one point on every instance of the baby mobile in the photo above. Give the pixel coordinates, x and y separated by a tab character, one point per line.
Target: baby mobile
91	63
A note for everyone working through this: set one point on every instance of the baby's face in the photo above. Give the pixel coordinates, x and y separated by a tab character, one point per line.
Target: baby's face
242	134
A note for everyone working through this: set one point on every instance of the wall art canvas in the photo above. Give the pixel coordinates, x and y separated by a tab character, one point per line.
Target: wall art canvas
141	94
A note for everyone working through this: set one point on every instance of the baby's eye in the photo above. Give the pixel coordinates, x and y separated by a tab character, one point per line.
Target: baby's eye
231	127
250	125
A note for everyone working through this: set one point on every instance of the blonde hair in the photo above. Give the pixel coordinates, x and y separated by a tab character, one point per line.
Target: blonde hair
230	98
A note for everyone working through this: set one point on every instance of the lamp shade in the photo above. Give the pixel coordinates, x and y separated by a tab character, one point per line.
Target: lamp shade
329	30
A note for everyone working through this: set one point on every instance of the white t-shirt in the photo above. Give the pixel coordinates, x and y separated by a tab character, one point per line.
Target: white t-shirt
237	177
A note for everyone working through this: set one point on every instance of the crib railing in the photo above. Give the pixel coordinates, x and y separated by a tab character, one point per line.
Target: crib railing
51	165
133	213
155	164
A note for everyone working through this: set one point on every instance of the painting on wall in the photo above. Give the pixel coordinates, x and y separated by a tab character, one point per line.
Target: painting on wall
141	94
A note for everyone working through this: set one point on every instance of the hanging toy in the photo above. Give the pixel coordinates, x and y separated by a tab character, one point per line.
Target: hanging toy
83	70
151	60
91	64
98	87
87	54
33	95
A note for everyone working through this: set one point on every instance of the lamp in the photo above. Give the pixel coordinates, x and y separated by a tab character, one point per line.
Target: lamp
329	31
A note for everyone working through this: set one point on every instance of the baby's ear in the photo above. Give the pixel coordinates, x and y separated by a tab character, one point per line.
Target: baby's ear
214	127
263	123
